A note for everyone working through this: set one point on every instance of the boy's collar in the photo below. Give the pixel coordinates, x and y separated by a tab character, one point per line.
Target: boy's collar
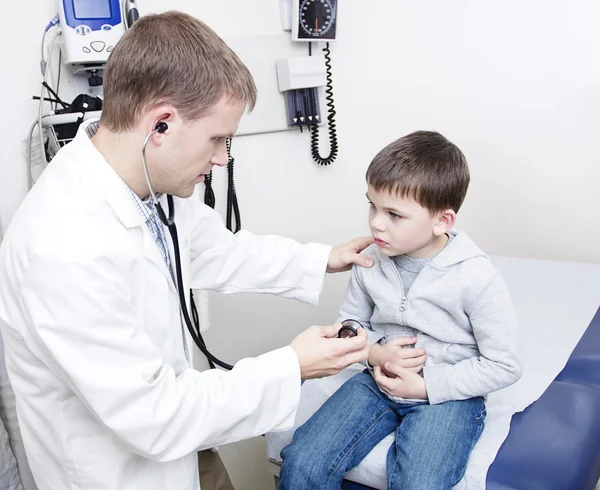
460	248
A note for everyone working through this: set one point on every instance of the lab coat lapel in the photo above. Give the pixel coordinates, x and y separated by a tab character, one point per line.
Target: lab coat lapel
107	183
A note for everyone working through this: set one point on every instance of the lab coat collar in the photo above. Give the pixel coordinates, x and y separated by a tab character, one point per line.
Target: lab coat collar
104	178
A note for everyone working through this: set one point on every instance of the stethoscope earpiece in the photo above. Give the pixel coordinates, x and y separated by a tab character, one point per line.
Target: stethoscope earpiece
161	127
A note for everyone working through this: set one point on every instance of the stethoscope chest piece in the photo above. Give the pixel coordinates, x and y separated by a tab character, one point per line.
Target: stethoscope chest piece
349	329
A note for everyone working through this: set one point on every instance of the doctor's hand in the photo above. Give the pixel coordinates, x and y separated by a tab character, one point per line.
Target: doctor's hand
393	351
321	353
344	256
404	383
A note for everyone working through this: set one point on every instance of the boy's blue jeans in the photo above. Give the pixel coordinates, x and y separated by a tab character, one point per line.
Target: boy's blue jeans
432	445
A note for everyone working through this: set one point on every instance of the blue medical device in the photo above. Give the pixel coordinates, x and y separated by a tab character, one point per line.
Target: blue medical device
91	29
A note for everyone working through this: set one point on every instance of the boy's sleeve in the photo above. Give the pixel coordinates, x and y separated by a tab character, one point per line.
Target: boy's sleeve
498	365
358	305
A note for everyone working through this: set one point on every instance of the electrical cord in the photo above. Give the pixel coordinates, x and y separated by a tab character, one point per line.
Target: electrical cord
44	65
209	193
29	140
232	202
314	129
38	122
58	81
57	99
233	210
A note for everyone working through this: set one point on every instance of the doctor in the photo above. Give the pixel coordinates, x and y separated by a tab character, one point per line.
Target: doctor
96	352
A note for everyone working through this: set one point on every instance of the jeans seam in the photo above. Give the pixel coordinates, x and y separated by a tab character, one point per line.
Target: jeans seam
389	409
393	473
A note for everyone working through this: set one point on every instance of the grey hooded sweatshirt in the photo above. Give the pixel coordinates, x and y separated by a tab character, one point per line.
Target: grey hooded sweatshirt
458	308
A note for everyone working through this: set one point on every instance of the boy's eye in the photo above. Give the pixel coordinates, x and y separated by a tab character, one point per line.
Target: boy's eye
371	204
394	215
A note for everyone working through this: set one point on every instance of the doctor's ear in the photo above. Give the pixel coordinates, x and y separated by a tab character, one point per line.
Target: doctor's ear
445	221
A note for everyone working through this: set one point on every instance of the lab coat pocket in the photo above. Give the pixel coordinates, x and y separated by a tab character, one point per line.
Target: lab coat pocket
98	463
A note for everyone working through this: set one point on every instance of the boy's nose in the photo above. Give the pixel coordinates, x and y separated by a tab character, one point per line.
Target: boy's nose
377	224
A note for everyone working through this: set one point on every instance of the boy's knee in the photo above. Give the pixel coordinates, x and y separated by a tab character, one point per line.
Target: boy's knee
300	469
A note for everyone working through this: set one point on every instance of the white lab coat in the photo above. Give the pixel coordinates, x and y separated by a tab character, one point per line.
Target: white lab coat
106	396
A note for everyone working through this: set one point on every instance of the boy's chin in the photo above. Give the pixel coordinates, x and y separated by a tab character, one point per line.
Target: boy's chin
390	252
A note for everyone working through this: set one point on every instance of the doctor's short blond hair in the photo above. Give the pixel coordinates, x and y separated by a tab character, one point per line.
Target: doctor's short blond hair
174	58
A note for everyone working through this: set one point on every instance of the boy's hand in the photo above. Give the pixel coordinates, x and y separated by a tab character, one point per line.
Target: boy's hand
405	384
392	352
342	257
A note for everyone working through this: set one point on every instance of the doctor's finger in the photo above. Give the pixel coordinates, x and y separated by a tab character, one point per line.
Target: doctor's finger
341	347
351	258
331	331
360	243
355	356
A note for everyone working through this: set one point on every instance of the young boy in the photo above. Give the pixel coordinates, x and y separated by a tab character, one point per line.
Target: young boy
431	286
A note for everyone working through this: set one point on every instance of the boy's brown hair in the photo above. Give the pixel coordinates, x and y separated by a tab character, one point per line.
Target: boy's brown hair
424	166
173	58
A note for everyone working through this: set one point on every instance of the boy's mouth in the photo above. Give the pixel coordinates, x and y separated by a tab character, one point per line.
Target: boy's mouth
380	242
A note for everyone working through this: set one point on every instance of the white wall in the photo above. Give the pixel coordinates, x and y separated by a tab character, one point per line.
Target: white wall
515	84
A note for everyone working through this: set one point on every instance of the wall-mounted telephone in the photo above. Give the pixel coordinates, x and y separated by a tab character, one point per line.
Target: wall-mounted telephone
299	78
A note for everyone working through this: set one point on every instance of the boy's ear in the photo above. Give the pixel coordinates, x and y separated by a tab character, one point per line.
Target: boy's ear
445	222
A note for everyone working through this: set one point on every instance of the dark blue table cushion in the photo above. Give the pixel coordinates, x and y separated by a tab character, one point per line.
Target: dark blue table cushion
555	443
583	367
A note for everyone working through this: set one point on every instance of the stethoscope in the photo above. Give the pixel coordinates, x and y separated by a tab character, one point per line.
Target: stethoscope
349	327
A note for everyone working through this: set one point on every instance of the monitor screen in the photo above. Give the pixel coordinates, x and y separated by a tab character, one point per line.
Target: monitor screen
92	9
